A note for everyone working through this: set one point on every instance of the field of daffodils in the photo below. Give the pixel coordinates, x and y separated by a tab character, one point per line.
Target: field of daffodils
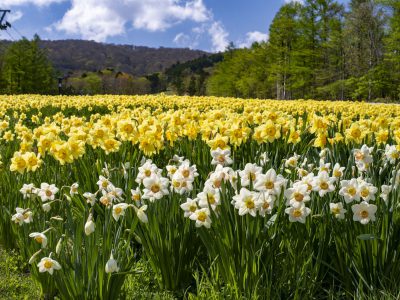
222	198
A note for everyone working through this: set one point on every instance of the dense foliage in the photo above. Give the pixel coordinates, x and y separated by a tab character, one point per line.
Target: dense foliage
319	50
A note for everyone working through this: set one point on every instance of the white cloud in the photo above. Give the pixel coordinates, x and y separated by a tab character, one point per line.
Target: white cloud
182	39
252	37
219	36
14	16
100	19
298	1
93	22
9	3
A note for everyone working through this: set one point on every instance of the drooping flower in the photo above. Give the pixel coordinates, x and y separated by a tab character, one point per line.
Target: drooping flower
140	213
118	210
111	265
47	264
90	226
40	238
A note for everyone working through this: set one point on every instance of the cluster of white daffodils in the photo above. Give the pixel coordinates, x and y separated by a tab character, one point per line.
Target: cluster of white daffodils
357	189
363	157
46	193
198	209
155	185
182	175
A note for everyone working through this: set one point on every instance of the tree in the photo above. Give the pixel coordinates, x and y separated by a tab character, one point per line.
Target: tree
364	33
392	50
283	36
26	68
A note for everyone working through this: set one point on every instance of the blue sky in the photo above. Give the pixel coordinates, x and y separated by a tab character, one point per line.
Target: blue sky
200	24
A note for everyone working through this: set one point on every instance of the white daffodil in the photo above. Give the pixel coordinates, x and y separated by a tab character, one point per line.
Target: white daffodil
221	157
264	159
171	169
221	174
40	238
156	187
47	264
118	210
47	191
363	157
111	265
46	207
391	153
364	212
309	181
189	172
270	182
337	210
337	172
292	161
90	198
136	195
22	216
140	213
245	202
265	203
181	184
209	197
103	183
297	195
147	170
202	217
249	174
74	189
324	166
189	207
28	190
298	214
349	190
367	191
385	191
323	184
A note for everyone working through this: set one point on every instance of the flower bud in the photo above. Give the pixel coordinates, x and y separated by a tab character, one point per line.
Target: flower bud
33	257
90	225
111	265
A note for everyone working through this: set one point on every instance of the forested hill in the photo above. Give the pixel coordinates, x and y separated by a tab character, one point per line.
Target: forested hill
80	55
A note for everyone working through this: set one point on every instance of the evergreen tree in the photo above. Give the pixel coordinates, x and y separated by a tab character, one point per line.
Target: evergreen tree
26	68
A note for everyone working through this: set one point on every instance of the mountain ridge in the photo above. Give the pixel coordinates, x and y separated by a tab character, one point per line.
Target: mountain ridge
70	56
